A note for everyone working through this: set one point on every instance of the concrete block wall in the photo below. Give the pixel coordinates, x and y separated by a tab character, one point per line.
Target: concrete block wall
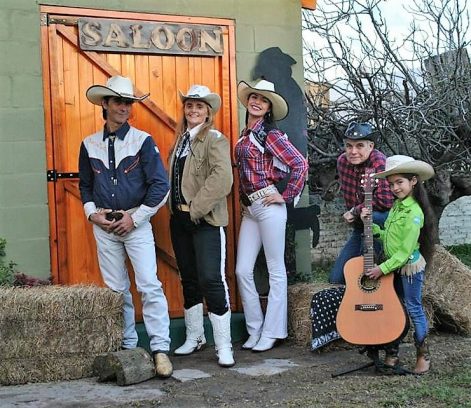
24	216
455	222
23	187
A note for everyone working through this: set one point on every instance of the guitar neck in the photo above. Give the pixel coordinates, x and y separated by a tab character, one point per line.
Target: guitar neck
368	254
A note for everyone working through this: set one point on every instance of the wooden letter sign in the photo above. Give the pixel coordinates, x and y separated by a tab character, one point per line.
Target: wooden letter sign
149	38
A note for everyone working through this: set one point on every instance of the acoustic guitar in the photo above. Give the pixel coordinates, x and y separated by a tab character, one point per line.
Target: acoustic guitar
370	312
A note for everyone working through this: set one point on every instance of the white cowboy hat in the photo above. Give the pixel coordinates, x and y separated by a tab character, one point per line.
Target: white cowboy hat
201	92
115	86
400	164
265	88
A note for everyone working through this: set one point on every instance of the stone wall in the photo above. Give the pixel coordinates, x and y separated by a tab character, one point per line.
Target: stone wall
333	230
455	223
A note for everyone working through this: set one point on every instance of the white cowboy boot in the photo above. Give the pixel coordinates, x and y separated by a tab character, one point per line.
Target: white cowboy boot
195	339
222	338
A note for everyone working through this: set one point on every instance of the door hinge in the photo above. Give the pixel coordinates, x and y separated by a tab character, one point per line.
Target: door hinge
53	175
43	21
62	20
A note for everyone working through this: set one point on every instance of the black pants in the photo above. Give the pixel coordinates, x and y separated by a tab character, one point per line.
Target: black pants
200	251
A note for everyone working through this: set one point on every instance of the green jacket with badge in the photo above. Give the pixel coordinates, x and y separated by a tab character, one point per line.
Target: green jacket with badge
400	237
207	177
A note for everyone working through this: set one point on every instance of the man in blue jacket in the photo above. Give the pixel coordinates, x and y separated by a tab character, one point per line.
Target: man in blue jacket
123	184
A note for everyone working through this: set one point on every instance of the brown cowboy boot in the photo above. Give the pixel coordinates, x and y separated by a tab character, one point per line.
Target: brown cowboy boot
392	355
422	364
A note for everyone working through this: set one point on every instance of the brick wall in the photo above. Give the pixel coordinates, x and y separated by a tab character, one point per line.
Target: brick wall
455	223
333	230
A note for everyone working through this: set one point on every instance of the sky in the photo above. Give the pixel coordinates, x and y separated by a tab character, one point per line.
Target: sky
398	21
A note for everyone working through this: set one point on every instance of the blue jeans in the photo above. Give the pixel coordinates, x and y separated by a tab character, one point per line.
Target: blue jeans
412	297
354	248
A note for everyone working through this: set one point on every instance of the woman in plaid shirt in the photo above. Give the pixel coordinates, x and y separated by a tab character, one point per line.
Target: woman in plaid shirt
265	156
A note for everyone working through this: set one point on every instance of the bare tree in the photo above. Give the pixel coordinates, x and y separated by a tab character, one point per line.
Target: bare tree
415	87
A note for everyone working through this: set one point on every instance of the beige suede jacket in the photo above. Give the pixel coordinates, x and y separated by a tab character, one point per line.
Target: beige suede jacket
207	178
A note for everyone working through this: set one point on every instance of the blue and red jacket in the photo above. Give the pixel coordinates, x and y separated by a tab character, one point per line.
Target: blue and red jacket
122	170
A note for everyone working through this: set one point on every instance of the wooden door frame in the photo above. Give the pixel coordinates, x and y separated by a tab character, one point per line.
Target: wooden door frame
230	115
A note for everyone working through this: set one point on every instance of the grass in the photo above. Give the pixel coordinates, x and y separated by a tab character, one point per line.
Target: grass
463	252
448	389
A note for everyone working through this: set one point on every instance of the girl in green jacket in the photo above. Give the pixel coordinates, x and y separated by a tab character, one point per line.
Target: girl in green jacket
408	239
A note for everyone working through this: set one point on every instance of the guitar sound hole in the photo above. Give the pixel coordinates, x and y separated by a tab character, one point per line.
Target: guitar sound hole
367	284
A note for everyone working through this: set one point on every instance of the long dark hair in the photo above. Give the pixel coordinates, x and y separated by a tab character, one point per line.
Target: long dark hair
428	234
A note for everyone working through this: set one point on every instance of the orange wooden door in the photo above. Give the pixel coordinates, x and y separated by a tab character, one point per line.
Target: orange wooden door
70	117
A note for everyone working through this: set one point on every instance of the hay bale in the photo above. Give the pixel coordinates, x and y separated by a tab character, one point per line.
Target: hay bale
300	324
299	306
53	333
447	289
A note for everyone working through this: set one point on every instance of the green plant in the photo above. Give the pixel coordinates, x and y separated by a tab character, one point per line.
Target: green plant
7	269
462	252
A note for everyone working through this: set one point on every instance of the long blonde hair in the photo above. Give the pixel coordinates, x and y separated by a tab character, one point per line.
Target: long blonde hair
182	125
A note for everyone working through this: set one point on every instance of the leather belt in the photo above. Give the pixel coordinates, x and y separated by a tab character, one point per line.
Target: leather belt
271	189
183	207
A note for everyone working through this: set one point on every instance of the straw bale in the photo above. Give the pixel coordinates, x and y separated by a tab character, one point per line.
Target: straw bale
299	321
299	306
46	368
448	290
54	332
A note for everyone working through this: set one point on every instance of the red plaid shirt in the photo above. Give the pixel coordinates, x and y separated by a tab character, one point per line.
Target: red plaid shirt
350	177
256	162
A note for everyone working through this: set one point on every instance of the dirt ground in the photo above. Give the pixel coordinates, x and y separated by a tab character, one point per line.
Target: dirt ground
309	383
286	376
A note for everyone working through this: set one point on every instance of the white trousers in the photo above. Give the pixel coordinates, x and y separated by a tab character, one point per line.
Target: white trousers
263	226
140	247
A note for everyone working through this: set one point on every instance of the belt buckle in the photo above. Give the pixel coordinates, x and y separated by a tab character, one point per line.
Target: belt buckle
183	207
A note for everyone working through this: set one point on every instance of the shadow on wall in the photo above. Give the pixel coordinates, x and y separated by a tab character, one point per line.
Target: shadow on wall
275	66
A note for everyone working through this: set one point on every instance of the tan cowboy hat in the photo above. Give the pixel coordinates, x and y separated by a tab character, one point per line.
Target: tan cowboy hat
279	106
115	86
400	164
201	92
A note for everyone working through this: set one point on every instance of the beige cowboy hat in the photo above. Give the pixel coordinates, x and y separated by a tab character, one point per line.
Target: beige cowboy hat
279	106
201	92
115	86
400	164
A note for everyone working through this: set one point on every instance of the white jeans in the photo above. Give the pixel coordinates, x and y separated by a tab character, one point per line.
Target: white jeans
263	226
140	247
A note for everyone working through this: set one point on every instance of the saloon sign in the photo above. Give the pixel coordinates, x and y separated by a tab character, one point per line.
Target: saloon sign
149	38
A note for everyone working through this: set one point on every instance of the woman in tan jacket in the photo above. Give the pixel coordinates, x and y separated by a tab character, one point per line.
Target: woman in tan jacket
200	179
